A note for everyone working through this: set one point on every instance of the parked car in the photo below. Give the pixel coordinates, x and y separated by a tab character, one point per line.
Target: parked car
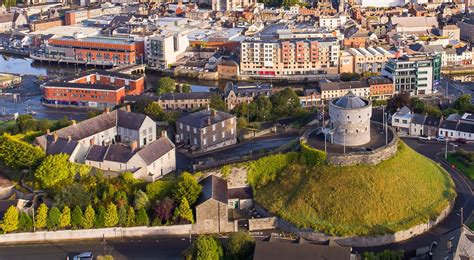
424	138
84	256
461	141
441	138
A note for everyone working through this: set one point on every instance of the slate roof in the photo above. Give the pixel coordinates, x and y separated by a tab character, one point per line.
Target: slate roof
350	101
186	96
83	86
291	251
240	193
432	121
379	81
96	153
200	119
61	145
213	187
450	125
118	153
325	86
130	120
418	119
155	150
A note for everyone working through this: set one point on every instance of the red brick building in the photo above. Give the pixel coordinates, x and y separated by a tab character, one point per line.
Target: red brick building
96	88
381	87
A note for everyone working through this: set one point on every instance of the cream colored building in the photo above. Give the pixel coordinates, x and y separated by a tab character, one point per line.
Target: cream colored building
331	90
360	60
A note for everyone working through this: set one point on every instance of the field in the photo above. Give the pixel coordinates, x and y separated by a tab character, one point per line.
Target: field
399	193
466	170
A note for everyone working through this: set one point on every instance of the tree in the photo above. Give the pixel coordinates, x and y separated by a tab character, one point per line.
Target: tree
207	247
397	101
285	103
216	102
18	154
76	218
122	216
55	171
111	216
10	220
384	255
164	210
349	76
141	200
183	213
89	217
25	223
130	217
166	85
159	189
72	196
54	216
41	216
463	103
187	187
100	219
240	245
261	108
142	218
65	220
153	110
417	105
185	88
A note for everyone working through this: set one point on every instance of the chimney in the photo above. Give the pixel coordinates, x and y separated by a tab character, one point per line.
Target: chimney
55	137
127	108
48	132
73	122
107	110
213	112
133	146
91	141
69	138
164	133
209	121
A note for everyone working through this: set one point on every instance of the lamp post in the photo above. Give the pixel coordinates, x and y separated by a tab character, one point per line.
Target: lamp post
446	150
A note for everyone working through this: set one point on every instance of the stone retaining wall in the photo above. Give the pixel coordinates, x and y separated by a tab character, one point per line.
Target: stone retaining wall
263	223
107	233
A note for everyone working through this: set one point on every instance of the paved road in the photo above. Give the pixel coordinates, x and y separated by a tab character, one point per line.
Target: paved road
150	248
464	199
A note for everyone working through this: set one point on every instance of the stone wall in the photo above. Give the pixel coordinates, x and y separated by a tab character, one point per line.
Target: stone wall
263	223
107	233
366	157
212	217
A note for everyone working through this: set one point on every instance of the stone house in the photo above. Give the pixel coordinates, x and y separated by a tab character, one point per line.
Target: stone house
183	101
207	130
431	126
240	198
212	213
417	125
237	94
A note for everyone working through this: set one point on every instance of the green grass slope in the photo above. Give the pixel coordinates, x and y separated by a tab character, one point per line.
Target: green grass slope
401	192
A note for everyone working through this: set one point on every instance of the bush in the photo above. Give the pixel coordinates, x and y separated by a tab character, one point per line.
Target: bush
65	220
55	171
266	169
17	154
100	218
206	248
122	216
310	156
111	216
76	218
10	220
89	217
41	217
187	187
130	217
54	216
183	213
240	245
159	189
25	223
142	218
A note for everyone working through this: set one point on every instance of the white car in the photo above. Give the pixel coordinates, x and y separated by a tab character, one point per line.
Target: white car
424	138
441	138
84	256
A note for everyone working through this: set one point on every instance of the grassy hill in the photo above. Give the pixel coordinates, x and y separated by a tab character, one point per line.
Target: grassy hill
401	192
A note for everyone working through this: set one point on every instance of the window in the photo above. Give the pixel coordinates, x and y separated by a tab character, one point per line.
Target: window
213	127
223	134
204	141
187	128
222	124
194	129
180	125
213	138
232	131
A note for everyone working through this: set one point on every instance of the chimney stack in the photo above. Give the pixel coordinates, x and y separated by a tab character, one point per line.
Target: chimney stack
73	122
127	108
69	138
164	133
133	146
55	137
213	112
209	121
107	110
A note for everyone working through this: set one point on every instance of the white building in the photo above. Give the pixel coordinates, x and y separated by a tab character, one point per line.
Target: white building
333	22
381	3
164	50
463	128
401	121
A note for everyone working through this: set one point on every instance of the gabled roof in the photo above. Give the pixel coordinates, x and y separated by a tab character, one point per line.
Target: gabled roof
202	118
418	119
61	145
292	251
432	121
118	153
213	187
96	153
155	150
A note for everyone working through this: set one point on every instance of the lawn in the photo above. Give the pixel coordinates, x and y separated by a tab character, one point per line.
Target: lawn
466	170
399	193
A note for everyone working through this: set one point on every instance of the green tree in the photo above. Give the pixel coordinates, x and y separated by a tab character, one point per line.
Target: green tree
25	223
285	103
41	217
216	102
261	108
397	101
159	189
417	105
207	247
183	213
100	218
153	110
122	216
384	255
76	218
55	171
185	88
65	220
187	187
89	217
54	216
111	216
164	210
142	218
72	196
10	220
18	154
141	200
240	245
130	217
166	85
463	103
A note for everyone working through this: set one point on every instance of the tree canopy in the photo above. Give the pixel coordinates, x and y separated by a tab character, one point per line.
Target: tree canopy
207	247
217	103
166	85
10	220
183	213
240	245
55	171
187	187
18	154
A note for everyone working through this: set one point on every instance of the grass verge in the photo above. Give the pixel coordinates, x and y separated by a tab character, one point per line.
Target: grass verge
466	170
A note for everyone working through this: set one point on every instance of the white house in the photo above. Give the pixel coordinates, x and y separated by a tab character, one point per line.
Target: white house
463	128
401	120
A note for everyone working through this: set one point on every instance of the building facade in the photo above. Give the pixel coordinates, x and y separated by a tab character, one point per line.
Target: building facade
380	88
332	90
235	94
185	101
164	50
360	60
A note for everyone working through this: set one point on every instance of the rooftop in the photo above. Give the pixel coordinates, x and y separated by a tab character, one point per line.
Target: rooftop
350	101
204	118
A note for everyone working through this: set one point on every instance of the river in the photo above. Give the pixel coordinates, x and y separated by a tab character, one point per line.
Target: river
30	93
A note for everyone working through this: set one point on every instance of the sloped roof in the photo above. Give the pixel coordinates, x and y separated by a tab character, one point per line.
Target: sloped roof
186	96
61	145
417	21
118	153
350	101
418	119
155	150
292	251
455	244
96	153
213	187
200	119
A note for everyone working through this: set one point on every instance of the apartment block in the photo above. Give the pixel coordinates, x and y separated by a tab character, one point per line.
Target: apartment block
164	50
416	74
275	57
360	60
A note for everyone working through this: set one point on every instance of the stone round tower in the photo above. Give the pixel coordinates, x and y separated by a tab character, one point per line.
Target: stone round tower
350	120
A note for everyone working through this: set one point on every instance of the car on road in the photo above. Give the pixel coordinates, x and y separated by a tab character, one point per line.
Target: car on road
461	141
424	138
84	256
441	138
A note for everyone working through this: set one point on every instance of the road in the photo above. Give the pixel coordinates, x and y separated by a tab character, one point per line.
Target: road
464	199
149	248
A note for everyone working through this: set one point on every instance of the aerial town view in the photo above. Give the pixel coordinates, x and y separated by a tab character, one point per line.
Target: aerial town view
237	129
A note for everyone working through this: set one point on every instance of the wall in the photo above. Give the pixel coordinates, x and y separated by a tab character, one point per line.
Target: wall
263	223
107	233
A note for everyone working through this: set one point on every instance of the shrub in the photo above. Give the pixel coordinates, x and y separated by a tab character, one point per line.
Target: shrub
183	213
41	217
122	216
111	216
240	245
100	218
25	223
164	210
142	218
76	218
89	217
141	200
10	220
266	169
130	217
17	154
159	189
187	187
55	171
207	247
54	216
65	220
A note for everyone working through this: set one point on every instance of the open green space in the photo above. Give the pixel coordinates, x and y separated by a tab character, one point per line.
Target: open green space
401	192
461	166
